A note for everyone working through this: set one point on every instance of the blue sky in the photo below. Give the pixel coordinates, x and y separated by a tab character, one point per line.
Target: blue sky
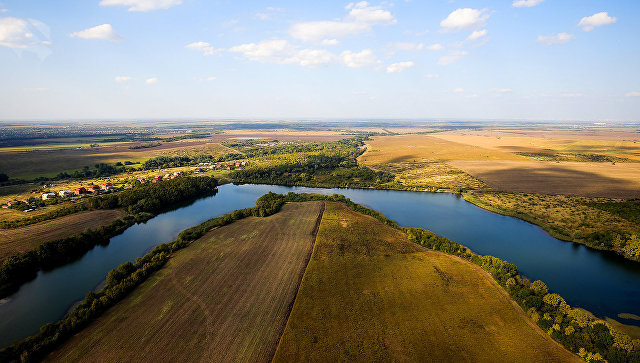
500	59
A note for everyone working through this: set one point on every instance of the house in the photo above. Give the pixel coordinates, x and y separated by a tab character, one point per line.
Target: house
157	178
47	196
94	188
80	191
230	167
9	204
65	193
107	186
237	164
142	180
244	163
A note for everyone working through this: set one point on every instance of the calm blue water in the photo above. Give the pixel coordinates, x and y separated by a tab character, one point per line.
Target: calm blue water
600	282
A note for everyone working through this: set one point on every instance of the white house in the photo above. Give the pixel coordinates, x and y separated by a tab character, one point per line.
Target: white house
65	193
46	196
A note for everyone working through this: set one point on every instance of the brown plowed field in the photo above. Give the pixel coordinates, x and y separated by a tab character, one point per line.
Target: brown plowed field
26	238
369	295
224	298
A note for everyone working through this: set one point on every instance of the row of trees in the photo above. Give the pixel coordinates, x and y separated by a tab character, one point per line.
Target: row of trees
142	202
123	280
578	330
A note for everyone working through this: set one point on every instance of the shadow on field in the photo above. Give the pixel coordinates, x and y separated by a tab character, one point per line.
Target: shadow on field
558	180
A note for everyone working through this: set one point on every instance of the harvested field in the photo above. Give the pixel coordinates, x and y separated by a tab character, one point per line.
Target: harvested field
492	161
26	238
224	298
370	295
621	180
402	148
624	146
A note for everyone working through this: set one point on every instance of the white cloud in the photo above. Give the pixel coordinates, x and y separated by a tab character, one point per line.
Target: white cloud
22	34
104	31
361	18
477	34
329	42
458	90
525	3
405	46
465	19
572	95
453	57
360	59
283	52
2	11
209	79
142	5
399	67
501	90
473	95
152	80
435	47
122	79
633	94
559	38
268	13
203	47
589	23
432	76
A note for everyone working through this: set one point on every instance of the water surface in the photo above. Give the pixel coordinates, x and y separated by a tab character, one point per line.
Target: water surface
598	281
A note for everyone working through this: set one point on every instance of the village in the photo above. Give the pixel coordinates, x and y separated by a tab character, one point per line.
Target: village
48	195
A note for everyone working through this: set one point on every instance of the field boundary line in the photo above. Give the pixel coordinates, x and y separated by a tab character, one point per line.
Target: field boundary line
314	233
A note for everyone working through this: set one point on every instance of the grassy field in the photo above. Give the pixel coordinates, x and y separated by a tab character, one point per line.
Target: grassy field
566	217
483	161
370	295
224	298
26	238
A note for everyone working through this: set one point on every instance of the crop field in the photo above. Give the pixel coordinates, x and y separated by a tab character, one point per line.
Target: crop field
224	298
26	238
499	163
373	296
621	180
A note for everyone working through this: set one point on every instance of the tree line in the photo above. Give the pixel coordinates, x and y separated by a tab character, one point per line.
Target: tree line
576	329
142	202
121	281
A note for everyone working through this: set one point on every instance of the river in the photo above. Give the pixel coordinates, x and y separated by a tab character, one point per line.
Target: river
598	281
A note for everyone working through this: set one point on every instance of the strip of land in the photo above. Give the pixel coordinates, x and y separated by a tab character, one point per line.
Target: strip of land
370	295
18	240
224	298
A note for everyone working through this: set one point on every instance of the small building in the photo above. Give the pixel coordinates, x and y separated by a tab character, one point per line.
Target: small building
47	196
94	188
142	180
65	193
80	191
9	204
157	178
107	186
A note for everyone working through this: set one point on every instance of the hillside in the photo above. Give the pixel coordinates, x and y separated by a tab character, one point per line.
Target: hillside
370	295
225	297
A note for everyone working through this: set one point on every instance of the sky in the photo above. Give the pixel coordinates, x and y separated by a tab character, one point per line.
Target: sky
405	59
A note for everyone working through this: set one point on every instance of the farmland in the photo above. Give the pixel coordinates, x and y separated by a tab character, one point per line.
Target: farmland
26	238
504	162
377	297
227	297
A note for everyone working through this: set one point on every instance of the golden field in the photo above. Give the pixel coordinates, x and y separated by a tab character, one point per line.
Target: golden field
373	296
